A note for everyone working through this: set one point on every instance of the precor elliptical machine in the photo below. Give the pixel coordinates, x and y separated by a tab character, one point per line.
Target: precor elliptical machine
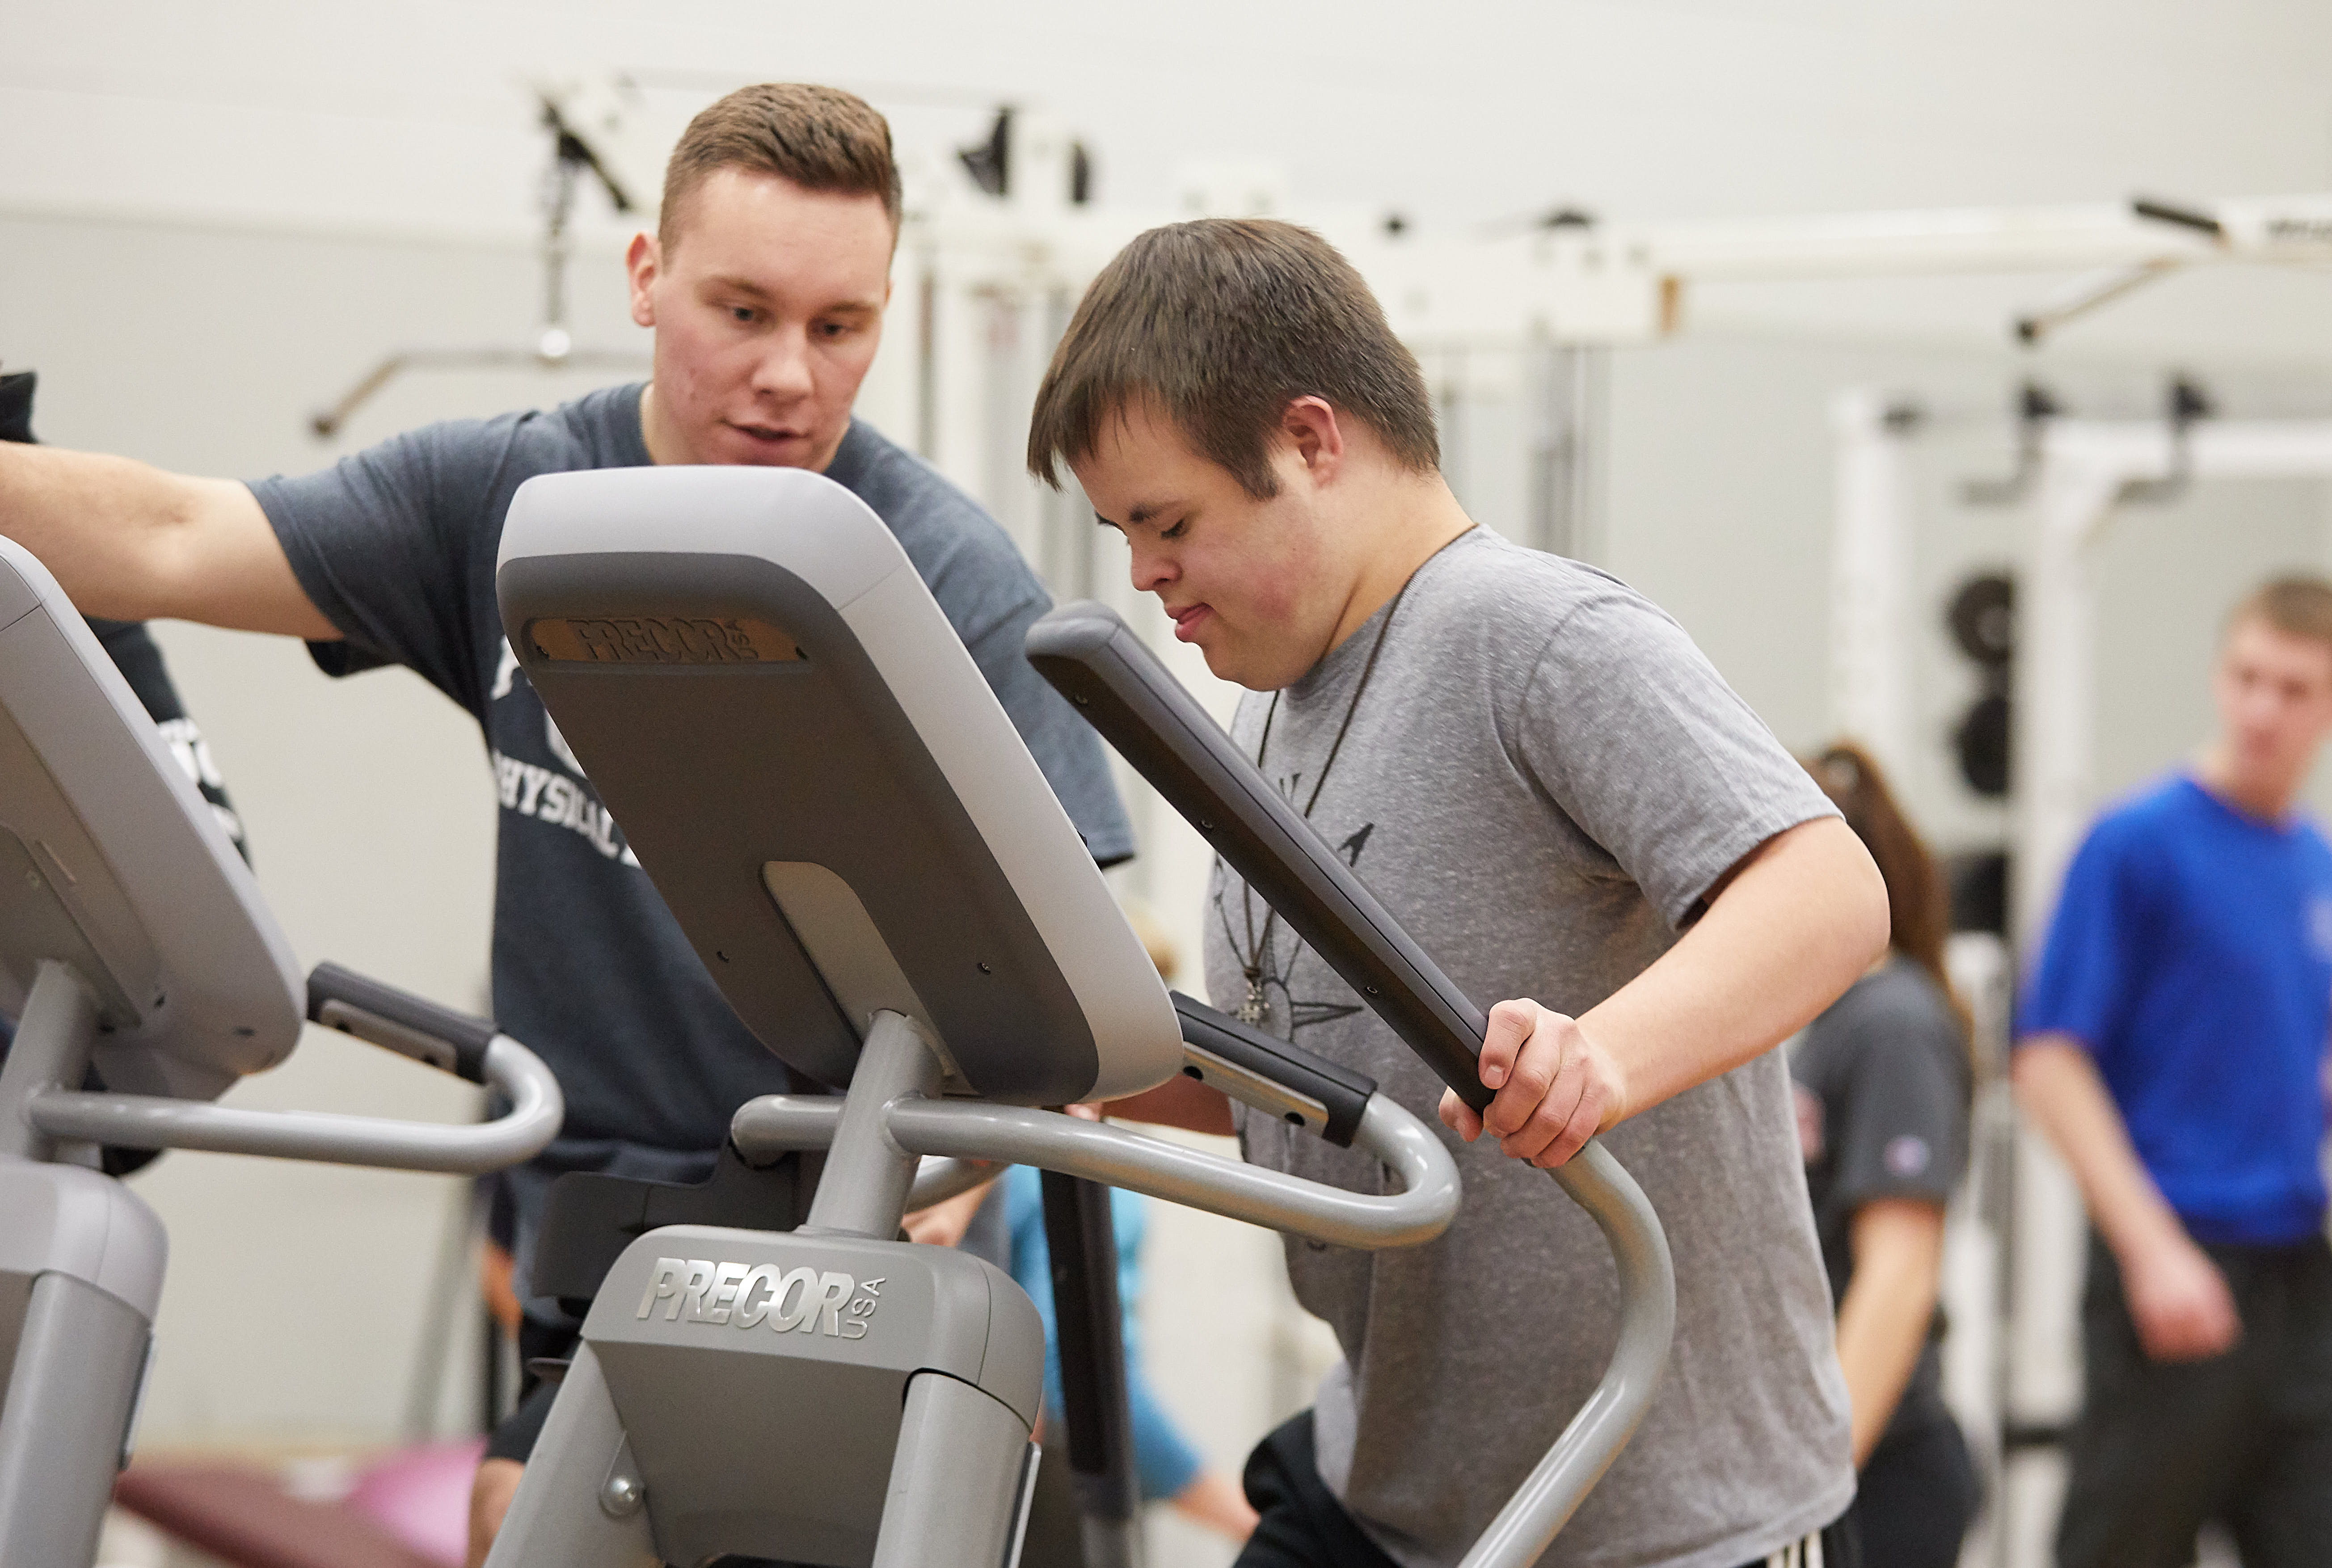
134	941
834	805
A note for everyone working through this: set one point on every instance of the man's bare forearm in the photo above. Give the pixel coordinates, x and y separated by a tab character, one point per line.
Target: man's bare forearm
2060	1090
131	542
1800	919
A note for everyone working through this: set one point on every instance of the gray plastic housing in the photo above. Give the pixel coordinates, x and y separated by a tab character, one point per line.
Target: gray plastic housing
760	1378
112	863
810	768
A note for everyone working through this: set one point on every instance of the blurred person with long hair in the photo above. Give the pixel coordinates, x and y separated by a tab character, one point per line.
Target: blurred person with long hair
1884	1078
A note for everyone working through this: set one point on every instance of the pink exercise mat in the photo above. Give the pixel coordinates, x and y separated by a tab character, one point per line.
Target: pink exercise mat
409	1509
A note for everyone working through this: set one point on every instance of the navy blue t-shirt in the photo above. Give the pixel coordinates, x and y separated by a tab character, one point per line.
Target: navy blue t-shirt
2192	954
396	547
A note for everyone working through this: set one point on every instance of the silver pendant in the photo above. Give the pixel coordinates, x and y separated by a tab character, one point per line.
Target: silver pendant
1253	1010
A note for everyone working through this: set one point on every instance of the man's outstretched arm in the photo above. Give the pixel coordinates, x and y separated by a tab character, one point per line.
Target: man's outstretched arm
131	543
2178	1300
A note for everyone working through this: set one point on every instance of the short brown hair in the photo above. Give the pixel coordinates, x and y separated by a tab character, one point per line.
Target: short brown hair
2296	605
821	138
1221	324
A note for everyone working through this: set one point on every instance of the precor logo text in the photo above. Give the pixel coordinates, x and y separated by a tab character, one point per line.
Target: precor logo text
742	1296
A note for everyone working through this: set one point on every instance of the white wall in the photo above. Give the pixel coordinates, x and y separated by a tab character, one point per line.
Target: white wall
407	114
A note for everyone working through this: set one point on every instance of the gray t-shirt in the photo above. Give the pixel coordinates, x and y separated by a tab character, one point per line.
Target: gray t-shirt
1542	781
1882	1087
396	546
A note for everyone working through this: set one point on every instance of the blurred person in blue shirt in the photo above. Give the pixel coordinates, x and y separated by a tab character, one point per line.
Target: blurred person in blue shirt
2172	1045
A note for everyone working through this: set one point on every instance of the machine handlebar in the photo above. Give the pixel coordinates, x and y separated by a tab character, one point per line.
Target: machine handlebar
1420	1206
1282	1079
381	1015
397	1020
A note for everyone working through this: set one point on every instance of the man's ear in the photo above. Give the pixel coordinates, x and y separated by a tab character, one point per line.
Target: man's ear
1309	426
642	263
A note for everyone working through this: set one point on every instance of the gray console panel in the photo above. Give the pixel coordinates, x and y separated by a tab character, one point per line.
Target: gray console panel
760	1378
828	797
195	983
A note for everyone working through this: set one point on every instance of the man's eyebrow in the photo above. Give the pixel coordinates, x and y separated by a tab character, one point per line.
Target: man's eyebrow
742	285
1140	514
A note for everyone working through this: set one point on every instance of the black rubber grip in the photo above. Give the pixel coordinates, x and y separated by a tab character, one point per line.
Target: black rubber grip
465	1036
1342	1093
1094	660
1089	1321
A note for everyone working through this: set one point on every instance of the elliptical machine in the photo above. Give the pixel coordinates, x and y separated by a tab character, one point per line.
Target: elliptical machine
133	939
806	762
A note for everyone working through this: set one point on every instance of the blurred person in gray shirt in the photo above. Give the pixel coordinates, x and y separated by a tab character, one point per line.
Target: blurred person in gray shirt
1883	1081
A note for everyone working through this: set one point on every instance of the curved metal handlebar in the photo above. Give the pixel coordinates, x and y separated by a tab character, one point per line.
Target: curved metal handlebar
1561	1481
150	1122
971	1130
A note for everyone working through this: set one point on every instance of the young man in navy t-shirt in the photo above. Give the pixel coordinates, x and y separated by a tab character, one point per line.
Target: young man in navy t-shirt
2172	1044
765	284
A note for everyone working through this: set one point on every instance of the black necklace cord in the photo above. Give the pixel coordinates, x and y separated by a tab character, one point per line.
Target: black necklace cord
1252	970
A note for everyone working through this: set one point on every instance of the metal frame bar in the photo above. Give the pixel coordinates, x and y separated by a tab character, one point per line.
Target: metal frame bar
151	1122
1871	572
868	1174
50	1048
1561	1481
772	1124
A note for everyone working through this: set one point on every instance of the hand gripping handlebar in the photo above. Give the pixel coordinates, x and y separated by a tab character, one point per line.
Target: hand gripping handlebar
380	1014
1093	659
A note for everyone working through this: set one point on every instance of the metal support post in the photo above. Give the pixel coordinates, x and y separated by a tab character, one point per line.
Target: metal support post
581	1504
71	1397
1565	382
958	1491
50	1051
863	1190
1871	576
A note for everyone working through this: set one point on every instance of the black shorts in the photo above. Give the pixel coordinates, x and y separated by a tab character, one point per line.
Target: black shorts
1915	1497
1302	1524
514	1438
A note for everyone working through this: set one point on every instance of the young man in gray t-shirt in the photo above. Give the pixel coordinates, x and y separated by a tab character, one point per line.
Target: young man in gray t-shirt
1544	779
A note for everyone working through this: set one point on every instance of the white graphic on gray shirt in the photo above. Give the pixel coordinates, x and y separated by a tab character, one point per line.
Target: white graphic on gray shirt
536	791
